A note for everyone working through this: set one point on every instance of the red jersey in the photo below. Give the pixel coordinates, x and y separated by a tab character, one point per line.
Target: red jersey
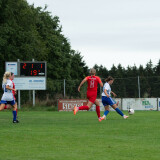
13	88
93	82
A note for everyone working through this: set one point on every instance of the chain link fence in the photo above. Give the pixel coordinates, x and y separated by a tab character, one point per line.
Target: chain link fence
130	87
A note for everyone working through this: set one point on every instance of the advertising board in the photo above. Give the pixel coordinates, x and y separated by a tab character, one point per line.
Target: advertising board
30	83
139	103
68	104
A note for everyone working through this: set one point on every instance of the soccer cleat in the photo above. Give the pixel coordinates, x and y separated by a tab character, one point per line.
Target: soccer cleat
125	117
99	119
103	118
15	121
75	110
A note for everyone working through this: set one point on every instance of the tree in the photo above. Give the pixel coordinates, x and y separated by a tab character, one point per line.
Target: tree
28	33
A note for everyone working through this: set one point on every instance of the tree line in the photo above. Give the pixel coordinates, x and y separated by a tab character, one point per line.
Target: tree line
126	79
28	32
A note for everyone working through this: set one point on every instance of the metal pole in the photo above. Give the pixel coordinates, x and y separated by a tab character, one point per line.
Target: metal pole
19	99
64	88
100	91
19	92
33	92
30	96
139	89
33	97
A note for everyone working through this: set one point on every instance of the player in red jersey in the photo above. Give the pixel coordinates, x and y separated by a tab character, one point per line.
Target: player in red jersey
93	82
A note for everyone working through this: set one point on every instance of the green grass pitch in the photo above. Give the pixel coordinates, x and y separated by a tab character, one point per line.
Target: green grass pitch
63	136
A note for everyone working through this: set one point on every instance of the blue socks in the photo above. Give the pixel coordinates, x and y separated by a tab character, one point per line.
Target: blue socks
14	115
119	111
106	112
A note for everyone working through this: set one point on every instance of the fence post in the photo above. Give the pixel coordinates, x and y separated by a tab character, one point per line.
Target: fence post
33	91
139	89
19	92
64	88
100	91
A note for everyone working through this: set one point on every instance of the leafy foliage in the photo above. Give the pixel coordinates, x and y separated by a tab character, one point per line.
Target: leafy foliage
28	33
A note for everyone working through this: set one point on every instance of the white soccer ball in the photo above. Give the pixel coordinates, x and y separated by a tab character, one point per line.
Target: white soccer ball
131	111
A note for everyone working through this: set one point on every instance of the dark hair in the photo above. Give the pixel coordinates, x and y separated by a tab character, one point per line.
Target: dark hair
109	78
12	73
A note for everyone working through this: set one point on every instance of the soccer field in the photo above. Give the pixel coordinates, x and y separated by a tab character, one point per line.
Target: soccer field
61	135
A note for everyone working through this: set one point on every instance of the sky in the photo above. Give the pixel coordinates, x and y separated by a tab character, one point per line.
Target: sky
108	32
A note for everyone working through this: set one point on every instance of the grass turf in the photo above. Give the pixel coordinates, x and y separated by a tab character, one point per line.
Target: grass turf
61	135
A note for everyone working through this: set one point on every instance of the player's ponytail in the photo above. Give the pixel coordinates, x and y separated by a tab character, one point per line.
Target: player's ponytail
109	78
6	76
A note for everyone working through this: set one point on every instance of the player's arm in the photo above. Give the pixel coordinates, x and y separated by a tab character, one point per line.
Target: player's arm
113	94
105	91
8	87
83	81
100	82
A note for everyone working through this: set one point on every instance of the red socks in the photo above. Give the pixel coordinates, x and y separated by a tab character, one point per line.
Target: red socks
83	108
87	108
5	107
98	111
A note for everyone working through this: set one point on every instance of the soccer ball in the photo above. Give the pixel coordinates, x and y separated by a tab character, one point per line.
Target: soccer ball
131	111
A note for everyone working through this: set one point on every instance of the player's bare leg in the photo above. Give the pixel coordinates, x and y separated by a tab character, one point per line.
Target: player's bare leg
2	107
117	103
87	107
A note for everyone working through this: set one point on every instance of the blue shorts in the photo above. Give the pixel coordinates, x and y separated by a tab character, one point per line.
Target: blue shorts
8	102
108	101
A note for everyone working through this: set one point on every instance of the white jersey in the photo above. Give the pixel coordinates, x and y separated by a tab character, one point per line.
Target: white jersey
108	88
7	95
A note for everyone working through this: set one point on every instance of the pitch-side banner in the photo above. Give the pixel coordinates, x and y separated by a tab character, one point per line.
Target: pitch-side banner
139	103
68	104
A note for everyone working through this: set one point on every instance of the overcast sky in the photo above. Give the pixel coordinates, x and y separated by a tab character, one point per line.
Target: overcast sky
110	32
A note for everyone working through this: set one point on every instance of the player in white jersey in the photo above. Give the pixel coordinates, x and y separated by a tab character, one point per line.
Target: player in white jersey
7	97
107	99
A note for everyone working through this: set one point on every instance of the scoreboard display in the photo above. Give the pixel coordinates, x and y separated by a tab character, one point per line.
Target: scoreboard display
34	69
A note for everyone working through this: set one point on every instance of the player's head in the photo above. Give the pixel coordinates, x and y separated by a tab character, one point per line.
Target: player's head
6	76
12	76
92	71
109	79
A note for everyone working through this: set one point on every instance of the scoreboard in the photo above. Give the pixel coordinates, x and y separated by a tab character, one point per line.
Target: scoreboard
29	75
32	69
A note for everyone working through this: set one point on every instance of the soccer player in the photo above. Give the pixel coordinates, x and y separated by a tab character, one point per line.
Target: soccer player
108	101
93	82
7	97
14	93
